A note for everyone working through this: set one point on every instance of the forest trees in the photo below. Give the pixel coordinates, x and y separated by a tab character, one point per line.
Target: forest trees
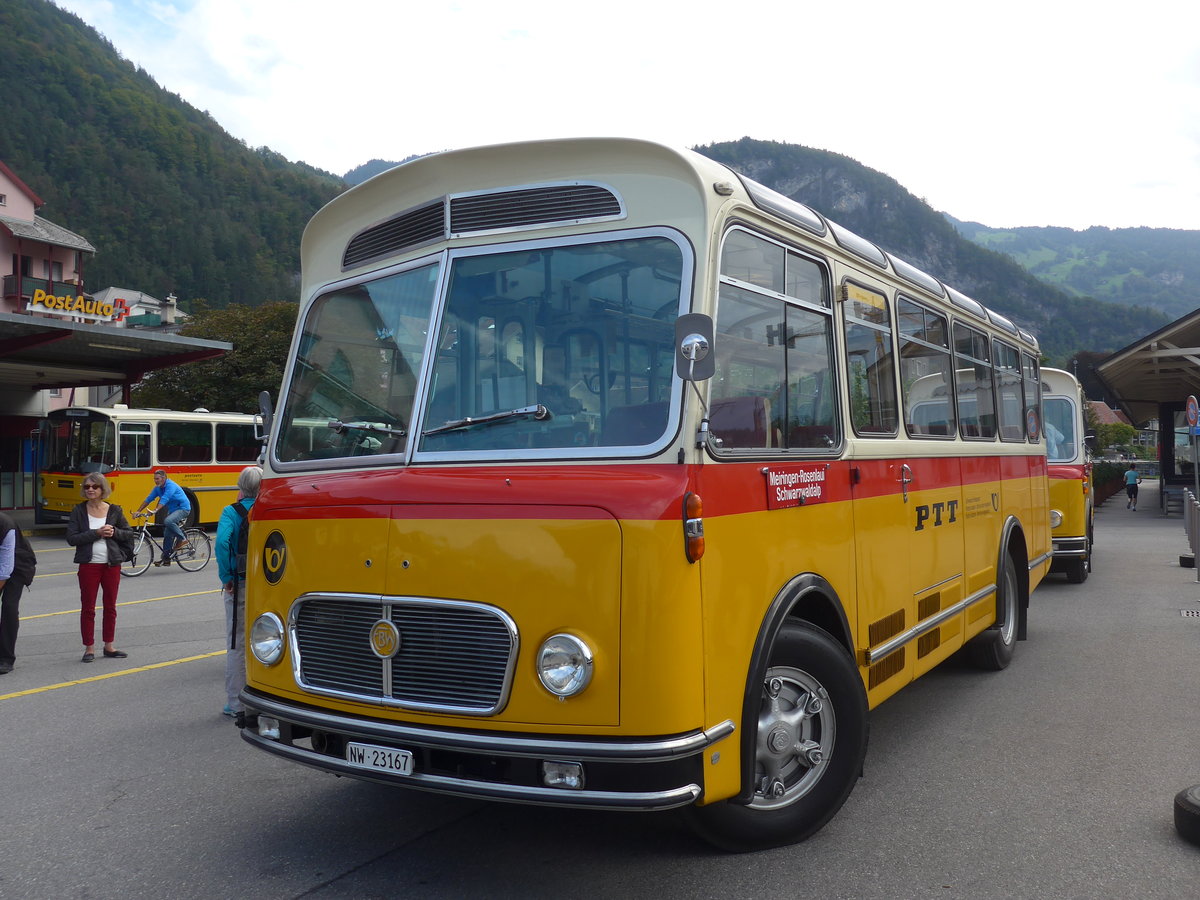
260	336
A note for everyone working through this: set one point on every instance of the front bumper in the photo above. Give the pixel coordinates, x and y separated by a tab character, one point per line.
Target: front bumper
621	774
1070	548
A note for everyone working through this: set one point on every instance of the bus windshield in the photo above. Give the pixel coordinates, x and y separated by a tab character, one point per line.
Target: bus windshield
77	441
1060	429
562	347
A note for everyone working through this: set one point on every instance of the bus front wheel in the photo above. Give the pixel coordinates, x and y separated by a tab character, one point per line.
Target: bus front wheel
810	741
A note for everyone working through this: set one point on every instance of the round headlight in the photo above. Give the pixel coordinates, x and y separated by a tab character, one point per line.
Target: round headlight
564	665
1055	518
266	639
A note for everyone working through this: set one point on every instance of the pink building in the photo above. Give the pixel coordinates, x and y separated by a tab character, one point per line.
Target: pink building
41	263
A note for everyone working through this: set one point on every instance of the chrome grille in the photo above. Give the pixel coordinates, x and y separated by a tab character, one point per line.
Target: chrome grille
472	213
453	656
532	206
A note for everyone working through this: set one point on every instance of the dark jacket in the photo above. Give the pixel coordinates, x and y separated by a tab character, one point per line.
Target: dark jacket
81	535
24	560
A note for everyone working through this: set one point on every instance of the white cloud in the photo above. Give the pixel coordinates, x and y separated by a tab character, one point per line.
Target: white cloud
1028	113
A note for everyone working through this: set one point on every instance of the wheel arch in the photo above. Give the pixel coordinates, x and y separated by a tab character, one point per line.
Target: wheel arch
806	598
1012	542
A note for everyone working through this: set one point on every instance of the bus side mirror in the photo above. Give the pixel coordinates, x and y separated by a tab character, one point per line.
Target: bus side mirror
694	359
1090	440
266	412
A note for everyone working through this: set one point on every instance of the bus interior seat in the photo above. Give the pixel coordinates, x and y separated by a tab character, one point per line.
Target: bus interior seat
741	421
633	426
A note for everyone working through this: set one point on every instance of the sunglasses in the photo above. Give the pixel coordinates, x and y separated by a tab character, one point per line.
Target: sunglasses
91	487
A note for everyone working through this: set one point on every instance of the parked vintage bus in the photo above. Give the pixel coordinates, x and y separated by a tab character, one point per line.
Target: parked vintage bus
622	502
203	452
1068	454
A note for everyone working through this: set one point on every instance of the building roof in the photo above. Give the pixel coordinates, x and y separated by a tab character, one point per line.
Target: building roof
46	232
1106	415
1162	367
37	352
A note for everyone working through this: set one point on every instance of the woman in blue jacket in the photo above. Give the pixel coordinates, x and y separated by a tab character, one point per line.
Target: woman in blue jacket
231	569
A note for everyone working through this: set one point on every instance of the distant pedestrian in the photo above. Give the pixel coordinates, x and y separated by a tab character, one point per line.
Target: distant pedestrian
1132	480
231	567
17	565
99	532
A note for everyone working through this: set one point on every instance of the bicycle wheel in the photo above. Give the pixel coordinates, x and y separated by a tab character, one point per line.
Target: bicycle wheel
143	555
196	555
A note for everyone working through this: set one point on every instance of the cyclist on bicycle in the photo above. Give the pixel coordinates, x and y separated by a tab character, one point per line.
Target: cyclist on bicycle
174	500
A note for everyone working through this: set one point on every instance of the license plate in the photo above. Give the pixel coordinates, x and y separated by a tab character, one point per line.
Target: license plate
379	759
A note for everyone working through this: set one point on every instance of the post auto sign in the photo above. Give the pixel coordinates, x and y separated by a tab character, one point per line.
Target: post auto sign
95	310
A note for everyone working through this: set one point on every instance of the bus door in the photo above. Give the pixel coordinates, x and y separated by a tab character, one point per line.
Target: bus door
880	484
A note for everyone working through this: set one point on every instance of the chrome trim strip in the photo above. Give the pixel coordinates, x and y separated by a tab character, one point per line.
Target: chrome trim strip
934	587
615	800
875	654
1044	558
499	743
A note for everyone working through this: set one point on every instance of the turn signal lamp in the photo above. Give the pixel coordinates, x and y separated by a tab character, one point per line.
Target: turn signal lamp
693	526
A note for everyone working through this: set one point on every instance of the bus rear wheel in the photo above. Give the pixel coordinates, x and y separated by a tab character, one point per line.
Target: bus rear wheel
811	738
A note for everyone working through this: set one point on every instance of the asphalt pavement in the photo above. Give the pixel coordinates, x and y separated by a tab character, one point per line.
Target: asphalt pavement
1051	779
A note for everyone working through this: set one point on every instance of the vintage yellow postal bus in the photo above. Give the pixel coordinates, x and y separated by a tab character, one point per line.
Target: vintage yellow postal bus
624	498
1069	459
201	451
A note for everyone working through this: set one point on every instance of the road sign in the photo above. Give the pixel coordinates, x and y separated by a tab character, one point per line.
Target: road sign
1193	410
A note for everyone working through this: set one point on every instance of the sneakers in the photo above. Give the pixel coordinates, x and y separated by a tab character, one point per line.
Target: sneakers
5	668
165	561
229	711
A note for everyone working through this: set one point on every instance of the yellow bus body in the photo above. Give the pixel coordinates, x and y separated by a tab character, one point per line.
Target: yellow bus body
682	566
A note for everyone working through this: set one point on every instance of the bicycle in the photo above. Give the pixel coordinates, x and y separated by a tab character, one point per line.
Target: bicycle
191	557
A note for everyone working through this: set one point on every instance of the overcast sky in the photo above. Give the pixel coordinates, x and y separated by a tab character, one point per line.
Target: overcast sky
1055	112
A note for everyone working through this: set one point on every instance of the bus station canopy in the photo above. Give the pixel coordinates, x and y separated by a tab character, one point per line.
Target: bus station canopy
1162	367
38	353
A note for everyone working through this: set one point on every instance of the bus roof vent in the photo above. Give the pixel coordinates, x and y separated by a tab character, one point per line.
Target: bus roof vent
913	275
411	228
532	207
857	245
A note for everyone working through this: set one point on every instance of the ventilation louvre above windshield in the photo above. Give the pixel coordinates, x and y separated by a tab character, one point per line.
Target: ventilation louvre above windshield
506	210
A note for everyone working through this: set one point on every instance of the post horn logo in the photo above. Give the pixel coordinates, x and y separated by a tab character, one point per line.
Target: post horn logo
385	639
274	557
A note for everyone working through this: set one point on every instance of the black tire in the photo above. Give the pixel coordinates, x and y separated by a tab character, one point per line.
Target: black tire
810	746
199	550
143	555
1187	814
1077	570
993	650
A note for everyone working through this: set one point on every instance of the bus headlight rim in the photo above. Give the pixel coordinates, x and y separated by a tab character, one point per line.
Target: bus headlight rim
267	639
1056	518
564	665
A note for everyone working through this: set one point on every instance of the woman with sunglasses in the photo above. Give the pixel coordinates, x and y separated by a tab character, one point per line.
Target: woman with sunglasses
96	529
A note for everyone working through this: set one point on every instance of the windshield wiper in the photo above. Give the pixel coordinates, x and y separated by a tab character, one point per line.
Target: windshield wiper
538	412
373	427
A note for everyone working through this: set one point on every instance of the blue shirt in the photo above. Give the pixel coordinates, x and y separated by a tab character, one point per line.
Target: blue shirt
1132	477
227	532
173	497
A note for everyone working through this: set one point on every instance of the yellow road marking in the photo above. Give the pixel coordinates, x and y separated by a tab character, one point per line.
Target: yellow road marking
65	684
71	612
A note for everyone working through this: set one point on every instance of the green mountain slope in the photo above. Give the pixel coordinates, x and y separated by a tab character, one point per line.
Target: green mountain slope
170	201
175	204
1154	267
